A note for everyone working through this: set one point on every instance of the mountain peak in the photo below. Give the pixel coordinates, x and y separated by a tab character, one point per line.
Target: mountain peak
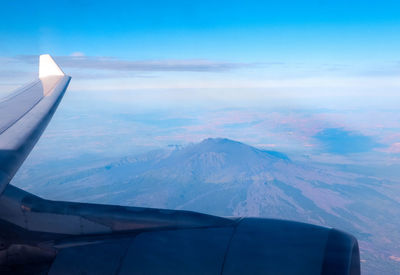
232	148
220	141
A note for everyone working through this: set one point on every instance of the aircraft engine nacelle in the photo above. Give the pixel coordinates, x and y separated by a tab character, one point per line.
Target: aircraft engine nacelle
251	246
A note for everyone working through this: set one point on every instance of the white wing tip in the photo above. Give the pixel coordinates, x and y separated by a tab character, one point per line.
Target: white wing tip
48	67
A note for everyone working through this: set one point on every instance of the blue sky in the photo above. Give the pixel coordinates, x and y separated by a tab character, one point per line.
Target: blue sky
281	31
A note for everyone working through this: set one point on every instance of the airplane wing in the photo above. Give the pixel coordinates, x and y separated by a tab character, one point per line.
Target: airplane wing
39	236
25	114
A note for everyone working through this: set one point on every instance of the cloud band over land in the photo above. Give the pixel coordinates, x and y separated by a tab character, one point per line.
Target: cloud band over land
114	64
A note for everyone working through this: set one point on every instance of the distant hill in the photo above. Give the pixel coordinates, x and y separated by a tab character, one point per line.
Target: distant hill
226	177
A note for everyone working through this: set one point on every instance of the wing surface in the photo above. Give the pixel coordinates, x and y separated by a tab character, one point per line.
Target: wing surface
25	114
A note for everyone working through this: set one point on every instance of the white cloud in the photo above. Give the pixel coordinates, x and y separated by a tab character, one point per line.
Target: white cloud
77	54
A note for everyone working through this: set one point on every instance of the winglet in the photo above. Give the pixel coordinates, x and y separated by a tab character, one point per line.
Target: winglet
48	67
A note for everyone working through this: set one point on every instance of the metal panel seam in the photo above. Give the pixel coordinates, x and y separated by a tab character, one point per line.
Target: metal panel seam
121	261
229	245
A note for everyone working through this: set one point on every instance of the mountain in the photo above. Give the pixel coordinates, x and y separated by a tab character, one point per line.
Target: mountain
226	177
